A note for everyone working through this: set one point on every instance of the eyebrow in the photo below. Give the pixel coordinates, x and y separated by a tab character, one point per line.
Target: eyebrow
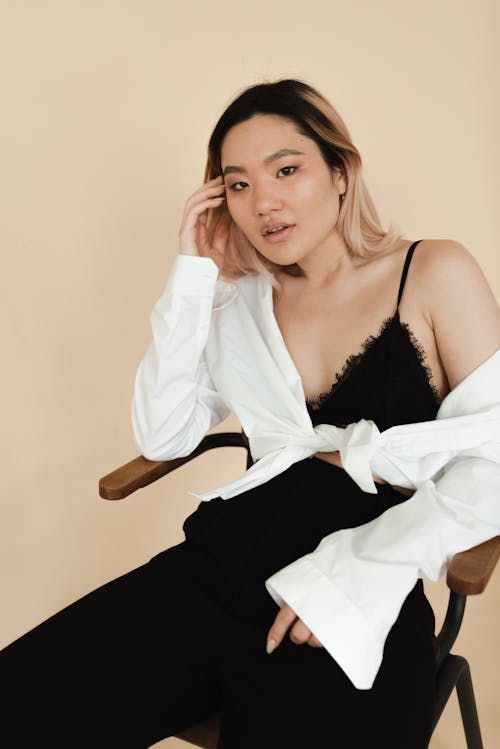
268	160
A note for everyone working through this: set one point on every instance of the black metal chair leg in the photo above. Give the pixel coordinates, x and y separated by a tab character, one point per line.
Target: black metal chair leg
468	709
455	672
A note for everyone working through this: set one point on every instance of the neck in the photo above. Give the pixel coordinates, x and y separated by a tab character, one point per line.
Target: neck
329	260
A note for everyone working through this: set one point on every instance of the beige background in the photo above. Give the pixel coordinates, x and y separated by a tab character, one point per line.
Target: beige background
107	107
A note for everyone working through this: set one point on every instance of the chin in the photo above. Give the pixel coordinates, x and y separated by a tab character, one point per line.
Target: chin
282	255
290	259
283	261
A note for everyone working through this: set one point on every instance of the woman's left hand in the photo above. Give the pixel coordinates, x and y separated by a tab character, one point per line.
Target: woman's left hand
299	634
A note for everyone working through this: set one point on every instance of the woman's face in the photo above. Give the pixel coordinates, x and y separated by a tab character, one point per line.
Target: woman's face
266	187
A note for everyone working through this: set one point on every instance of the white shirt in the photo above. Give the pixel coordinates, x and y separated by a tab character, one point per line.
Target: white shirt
216	349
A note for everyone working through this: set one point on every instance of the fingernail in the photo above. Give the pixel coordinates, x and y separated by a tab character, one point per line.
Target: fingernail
270	646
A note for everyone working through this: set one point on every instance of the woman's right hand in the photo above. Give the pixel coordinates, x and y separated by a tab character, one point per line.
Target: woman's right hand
193	239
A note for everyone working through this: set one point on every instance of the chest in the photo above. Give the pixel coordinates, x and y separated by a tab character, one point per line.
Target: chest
329	332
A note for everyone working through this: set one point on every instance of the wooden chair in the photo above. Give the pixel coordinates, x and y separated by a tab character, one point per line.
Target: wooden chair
468	574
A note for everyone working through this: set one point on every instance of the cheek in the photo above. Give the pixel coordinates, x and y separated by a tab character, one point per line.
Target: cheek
326	204
310	196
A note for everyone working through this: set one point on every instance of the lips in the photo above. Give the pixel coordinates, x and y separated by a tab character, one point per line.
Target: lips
274	226
279	236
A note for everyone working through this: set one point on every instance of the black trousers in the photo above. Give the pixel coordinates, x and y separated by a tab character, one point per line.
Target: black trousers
163	646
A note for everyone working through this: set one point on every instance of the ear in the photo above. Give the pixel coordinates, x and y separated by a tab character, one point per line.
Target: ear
341	180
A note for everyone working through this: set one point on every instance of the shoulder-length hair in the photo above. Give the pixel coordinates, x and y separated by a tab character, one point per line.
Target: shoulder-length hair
314	117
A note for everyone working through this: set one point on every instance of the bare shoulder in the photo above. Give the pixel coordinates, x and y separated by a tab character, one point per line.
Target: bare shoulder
436	256
449	275
459	304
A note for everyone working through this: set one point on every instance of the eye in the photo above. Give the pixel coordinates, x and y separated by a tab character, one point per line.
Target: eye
234	188
237	189
288	167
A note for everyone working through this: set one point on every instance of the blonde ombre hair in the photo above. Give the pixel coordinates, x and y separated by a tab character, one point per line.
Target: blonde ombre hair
316	118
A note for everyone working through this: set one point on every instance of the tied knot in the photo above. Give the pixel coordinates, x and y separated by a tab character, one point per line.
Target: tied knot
356	443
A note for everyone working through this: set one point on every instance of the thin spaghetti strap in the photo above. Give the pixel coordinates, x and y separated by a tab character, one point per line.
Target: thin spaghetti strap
409	255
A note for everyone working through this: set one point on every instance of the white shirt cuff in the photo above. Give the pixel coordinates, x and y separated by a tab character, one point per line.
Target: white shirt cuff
333	618
191	274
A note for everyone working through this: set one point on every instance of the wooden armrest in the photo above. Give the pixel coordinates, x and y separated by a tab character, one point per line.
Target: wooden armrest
140	471
469	571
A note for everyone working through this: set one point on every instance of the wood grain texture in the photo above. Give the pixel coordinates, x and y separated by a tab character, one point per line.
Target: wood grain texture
469	572
141	472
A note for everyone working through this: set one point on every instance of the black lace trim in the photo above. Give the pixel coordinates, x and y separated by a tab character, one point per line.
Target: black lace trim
353	361
422	359
350	364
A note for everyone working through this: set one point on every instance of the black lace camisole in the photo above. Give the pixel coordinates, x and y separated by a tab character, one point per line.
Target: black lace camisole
259	531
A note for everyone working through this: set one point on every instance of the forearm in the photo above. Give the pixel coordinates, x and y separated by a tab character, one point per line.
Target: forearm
175	401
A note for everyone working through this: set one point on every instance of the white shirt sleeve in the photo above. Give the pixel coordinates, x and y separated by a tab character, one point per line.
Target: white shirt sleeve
350	589
175	402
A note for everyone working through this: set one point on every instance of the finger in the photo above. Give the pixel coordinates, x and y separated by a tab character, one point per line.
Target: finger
284	618
299	634
215	249
314	642
202	199
212	184
206	191
210	195
221	229
190	220
196	201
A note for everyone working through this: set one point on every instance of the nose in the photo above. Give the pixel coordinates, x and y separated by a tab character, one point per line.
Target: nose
266	199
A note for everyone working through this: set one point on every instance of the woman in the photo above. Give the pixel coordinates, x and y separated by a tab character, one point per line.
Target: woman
182	637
